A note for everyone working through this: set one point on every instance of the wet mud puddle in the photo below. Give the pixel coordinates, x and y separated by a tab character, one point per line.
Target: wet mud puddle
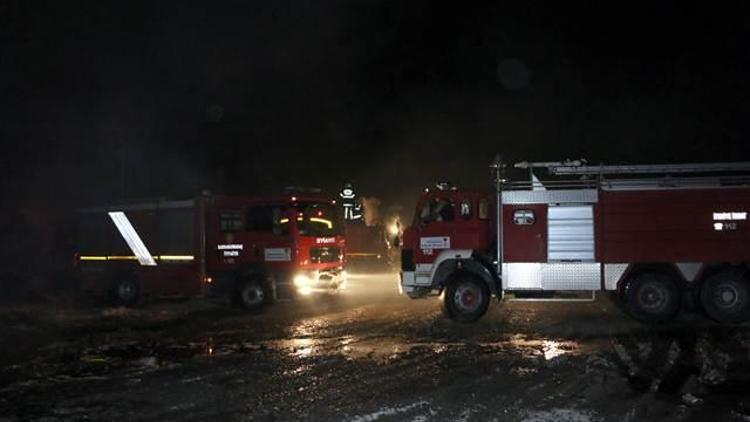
128	358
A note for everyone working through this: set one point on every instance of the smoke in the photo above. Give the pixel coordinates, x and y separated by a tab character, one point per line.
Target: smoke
371	206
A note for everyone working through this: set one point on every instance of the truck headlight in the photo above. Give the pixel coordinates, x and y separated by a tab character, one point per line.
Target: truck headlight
302	280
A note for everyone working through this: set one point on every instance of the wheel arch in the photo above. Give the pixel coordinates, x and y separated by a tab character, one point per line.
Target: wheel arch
637	269
253	270
462	261
711	269
124	274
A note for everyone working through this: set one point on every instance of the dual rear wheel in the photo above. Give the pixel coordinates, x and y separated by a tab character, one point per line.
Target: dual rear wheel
725	297
654	297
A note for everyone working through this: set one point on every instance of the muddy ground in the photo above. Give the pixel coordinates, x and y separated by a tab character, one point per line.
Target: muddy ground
366	355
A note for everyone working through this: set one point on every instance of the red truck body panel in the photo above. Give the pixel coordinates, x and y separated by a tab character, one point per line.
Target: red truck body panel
670	226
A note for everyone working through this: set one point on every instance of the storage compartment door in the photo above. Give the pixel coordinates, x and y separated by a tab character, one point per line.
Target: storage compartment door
570	233
570	248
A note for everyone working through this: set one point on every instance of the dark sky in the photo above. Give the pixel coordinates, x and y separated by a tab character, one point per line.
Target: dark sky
107	100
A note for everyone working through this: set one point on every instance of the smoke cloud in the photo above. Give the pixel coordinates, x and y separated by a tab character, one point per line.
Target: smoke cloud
371	206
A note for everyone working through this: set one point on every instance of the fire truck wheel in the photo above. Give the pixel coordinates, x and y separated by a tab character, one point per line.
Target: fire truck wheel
725	297
652	297
125	291
252	294
465	298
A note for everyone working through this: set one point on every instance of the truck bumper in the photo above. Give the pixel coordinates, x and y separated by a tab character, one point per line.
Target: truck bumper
287	284
408	286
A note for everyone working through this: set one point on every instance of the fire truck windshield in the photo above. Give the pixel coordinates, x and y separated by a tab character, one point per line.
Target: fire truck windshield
317	219
437	209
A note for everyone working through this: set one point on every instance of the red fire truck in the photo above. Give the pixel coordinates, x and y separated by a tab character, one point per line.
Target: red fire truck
252	249
659	237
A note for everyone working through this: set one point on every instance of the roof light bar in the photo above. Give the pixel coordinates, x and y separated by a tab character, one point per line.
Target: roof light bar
328	223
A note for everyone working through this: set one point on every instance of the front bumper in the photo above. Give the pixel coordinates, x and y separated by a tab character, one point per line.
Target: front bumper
408	286
319	281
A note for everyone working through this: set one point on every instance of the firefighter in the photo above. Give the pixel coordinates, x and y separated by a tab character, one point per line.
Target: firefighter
352	207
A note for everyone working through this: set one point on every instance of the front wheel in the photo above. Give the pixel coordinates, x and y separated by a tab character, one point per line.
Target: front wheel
726	298
466	298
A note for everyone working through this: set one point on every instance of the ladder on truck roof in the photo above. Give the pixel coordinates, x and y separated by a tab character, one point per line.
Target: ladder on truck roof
580	167
691	175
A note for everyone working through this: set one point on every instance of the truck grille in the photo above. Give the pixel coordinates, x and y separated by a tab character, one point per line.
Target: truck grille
319	255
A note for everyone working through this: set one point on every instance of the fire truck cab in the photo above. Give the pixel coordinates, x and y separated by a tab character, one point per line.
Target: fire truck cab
656	242
251	249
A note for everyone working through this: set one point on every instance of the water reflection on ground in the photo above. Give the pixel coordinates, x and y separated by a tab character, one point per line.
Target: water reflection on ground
372	355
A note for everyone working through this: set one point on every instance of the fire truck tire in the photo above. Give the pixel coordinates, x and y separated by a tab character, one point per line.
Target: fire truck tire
465	298
725	297
252	294
125	291
652	297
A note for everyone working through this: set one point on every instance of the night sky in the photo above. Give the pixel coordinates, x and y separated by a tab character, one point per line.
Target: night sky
103	101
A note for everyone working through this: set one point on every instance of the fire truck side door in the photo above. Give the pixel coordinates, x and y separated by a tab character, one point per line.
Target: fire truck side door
525	233
267	239
436	221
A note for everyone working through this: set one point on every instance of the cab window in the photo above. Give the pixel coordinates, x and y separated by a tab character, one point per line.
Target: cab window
267	219
230	220
484	209
259	219
318	219
437	209
465	209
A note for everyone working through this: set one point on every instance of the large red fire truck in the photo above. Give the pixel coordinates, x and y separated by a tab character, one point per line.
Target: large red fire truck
253	249
657	236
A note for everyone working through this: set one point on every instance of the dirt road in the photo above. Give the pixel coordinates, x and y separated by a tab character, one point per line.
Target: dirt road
366	355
